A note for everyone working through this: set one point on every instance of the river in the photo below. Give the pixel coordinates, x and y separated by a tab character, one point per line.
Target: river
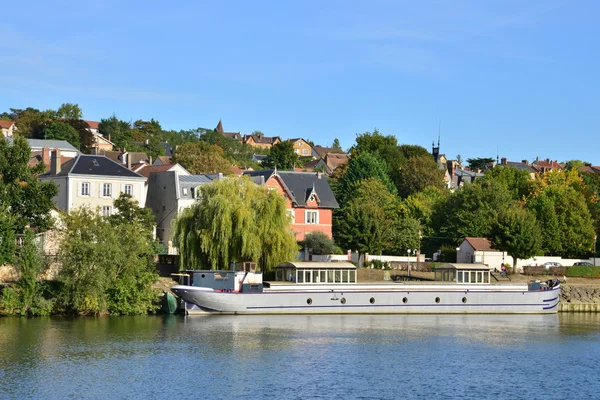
301	357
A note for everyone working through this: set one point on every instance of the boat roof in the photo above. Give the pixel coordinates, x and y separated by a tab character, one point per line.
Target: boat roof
317	265
463	266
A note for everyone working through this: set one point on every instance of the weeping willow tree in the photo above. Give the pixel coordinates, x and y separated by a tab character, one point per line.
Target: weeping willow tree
235	221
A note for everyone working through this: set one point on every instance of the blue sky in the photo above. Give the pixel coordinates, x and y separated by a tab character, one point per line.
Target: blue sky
517	78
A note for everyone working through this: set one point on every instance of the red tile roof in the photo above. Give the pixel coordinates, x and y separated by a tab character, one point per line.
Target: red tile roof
479	243
93	124
6	124
148	169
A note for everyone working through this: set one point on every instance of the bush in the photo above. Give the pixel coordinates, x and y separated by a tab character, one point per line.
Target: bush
583	272
378	264
319	243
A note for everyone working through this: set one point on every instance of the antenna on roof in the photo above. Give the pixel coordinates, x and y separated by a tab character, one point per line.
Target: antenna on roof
439	131
497	155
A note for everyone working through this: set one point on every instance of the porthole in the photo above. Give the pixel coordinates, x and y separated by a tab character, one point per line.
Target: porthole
405	300
309	301
464	299
343	300
437	299
203	275
372	301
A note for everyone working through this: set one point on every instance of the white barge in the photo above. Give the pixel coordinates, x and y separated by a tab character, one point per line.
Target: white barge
332	288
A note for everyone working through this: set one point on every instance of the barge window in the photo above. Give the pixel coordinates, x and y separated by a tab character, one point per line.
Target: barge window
459	278
352	276
486	277
338	276
300	276
330	276
322	276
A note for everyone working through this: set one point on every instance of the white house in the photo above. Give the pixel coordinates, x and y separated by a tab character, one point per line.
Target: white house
93	181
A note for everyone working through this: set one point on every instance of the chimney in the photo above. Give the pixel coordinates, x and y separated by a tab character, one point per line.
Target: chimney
94	151
319	174
548	160
55	162
46	156
503	161
525	162
128	160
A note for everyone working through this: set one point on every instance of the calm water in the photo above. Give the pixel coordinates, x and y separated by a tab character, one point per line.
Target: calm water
301	357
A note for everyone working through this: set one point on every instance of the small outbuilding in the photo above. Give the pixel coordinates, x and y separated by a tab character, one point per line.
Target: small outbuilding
462	273
316	272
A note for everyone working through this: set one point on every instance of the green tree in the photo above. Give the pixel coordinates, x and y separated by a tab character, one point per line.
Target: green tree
419	173
385	147
31	122
129	210
410	151
26	296
336	144
517	233
202	158
480	164
59	130
69	111
518	182
470	211
574	164
282	156
28	200
117	131
235	221
365	223
565	220
318	243
360	167
106	268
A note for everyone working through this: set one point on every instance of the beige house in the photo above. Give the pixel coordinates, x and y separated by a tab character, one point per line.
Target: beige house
8	128
301	147
93	181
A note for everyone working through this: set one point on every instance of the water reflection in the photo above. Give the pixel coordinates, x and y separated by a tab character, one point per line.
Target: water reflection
298	356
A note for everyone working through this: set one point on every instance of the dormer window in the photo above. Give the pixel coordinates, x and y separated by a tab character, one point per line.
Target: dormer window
185	191
311	198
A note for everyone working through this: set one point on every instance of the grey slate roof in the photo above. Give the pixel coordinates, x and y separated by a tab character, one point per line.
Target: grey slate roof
300	185
38	144
86	164
190	182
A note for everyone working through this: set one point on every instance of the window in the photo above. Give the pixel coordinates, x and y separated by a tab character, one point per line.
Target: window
85	188
185	192
304	151
312	217
106	211
128	189
107	190
290	214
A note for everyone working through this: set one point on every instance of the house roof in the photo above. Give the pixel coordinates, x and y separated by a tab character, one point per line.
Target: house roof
479	243
6	124
93	124
118	156
334	160
145	169
164	159
322	151
191	181
230	135
262	139
521	166
39	144
86	164
299	185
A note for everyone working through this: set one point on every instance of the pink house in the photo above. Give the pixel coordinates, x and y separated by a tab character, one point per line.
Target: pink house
310	200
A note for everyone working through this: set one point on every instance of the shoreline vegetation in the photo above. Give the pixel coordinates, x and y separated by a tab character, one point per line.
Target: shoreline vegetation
578	294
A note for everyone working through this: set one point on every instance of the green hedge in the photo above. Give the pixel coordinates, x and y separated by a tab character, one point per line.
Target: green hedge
583	272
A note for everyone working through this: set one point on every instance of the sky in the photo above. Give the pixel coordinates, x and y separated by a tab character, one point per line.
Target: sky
515	79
